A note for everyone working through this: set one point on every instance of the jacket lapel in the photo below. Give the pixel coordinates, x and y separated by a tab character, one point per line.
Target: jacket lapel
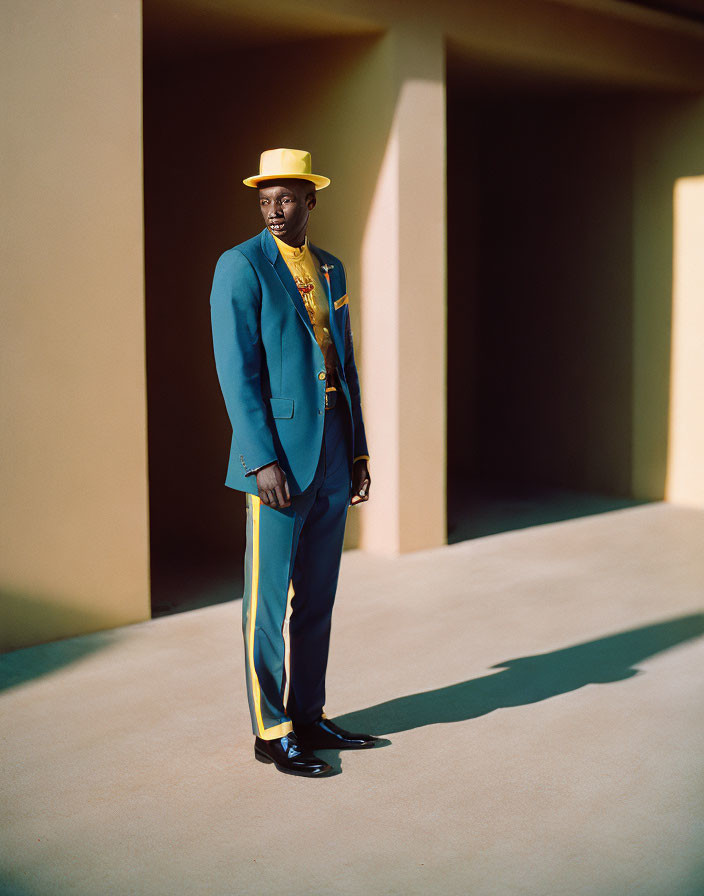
271	250
327	278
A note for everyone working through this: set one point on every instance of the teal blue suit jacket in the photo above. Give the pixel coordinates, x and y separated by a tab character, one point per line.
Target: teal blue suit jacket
269	363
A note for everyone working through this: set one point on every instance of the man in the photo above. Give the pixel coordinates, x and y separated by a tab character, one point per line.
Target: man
285	361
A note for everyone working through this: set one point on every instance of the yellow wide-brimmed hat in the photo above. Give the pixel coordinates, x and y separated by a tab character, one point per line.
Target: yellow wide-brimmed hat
279	163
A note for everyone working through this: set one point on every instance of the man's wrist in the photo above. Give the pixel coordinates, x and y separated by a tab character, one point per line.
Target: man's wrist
263	466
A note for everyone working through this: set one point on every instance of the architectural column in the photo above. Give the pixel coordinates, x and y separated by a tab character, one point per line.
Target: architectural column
75	543
668	371
685	477
404	308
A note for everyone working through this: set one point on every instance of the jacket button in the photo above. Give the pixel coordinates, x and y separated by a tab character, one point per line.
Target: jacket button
321	375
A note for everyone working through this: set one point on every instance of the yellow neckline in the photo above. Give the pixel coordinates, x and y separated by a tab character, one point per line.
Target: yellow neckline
291	251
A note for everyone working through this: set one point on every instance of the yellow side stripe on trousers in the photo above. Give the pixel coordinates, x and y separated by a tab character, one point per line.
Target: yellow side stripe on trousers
287	642
284	727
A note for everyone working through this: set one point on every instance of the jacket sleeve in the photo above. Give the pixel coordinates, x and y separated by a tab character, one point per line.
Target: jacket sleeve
235	308
352	377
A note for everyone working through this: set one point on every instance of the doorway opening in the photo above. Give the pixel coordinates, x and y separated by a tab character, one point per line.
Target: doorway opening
542	202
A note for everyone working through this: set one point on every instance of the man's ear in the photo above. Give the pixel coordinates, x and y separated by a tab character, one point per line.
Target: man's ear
311	200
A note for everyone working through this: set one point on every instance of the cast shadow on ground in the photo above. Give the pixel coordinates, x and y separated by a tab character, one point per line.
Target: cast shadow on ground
479	508
528	679
29	663
25	612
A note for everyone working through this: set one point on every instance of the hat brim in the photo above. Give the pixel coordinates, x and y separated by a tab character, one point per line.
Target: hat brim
319	180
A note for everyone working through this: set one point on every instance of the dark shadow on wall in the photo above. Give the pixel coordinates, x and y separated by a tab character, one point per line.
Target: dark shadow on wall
206	119
529	679
195	580
540	308
560	242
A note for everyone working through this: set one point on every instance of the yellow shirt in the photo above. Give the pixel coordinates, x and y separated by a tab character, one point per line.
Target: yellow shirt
305	271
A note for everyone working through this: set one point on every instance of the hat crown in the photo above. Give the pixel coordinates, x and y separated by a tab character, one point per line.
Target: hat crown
281	162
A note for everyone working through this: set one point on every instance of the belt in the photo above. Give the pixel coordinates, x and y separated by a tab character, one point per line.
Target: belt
332	386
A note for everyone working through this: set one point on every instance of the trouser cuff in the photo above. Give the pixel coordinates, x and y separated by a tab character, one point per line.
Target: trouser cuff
276	731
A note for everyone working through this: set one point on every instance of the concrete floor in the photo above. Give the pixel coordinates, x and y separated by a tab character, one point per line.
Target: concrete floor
539	692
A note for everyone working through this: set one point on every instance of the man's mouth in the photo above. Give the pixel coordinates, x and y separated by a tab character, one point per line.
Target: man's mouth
277	226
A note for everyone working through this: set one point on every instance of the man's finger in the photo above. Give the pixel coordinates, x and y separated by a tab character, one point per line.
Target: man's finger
280	496
359	497
286	490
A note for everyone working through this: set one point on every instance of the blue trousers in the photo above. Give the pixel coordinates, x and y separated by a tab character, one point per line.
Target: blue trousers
292	562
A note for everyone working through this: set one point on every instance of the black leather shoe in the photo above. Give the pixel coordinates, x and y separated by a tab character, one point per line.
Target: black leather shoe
290	757
326	735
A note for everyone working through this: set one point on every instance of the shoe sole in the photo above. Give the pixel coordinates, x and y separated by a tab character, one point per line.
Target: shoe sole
267	760
340	746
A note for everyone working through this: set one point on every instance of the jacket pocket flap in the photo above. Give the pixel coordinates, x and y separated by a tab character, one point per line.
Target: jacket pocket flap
281	407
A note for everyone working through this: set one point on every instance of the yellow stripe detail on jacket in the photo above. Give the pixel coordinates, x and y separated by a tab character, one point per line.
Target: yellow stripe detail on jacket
343	300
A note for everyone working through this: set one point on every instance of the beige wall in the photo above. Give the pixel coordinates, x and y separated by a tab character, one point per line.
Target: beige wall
74	514
370	107
669	145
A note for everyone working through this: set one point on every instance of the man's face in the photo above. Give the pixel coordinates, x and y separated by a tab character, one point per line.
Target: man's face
285	206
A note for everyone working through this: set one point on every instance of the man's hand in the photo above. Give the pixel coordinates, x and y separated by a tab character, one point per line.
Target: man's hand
272	485
361	480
